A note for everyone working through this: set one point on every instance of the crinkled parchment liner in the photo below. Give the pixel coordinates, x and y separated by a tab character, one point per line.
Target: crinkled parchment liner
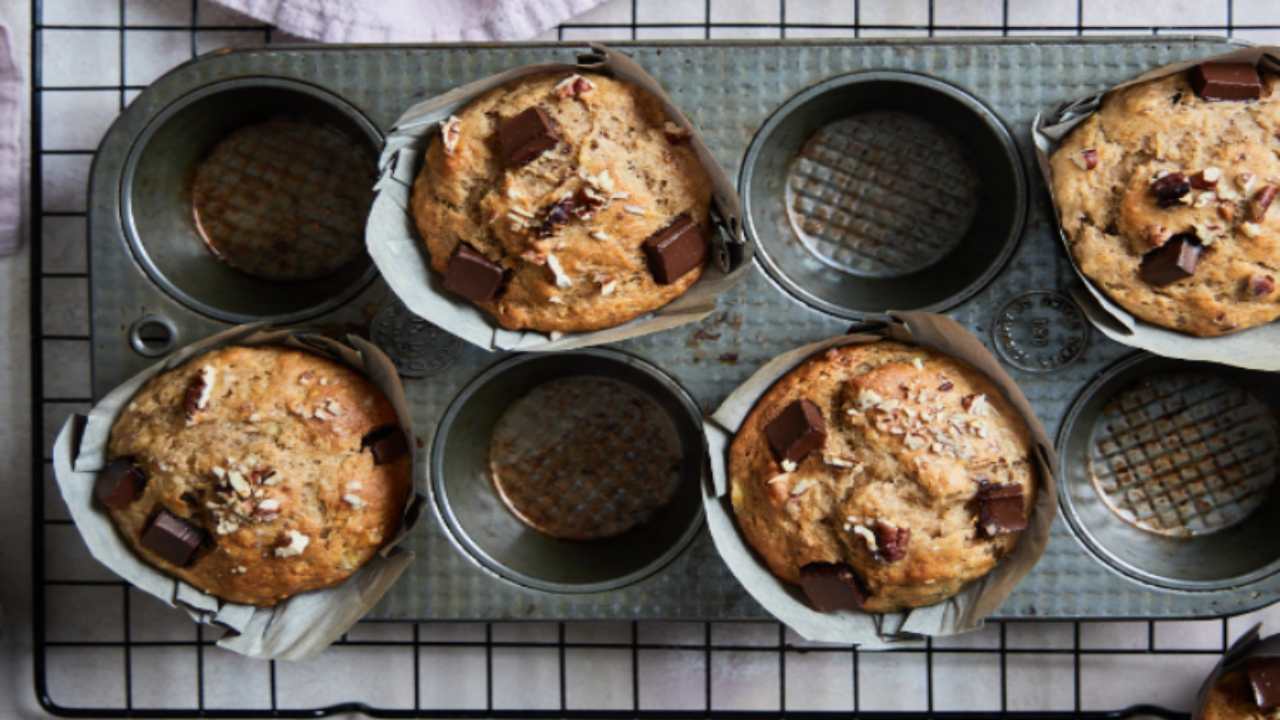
402	258
1246	647
296	629
786	602
1253	348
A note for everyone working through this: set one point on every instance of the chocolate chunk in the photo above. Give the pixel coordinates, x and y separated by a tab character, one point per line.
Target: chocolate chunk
1175	260
1264	678
832	586
387	444
1226	81
891	541
1170	189
119	483
526	136
472	275
797	431
675	250
172	538
1000	509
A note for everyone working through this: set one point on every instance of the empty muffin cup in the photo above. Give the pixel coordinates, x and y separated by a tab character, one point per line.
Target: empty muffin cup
246	200
1169	470
572	472
883	190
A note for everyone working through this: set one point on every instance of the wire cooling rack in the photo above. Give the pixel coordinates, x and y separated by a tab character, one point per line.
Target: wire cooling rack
104	650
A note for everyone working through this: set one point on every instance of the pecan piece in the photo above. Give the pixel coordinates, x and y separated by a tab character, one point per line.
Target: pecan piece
1261	202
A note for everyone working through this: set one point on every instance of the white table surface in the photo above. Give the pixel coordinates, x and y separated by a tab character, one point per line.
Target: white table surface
601	678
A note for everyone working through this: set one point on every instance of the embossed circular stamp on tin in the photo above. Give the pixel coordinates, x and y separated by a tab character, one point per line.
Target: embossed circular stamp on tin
1040	331
417	347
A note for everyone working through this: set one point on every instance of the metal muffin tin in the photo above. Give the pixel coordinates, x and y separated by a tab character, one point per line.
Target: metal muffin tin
730	90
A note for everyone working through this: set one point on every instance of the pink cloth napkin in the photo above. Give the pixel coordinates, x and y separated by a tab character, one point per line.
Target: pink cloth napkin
354	21
10	150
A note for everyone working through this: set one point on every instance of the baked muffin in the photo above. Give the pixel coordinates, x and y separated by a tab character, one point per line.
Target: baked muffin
881	476
564	202
1234	696
256	473
1165	196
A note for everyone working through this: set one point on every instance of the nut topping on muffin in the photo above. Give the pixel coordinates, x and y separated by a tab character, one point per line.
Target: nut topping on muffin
450	134
199	390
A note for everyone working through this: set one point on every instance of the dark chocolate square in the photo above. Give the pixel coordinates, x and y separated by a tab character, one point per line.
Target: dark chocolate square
796	431
525	136
172	538
119	483
387	444
1000	509
1226	81
675	250
1175	260
832	586
472	275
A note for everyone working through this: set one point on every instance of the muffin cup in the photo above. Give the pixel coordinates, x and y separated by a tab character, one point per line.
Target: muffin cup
489	533
1253	348
295	629
1246	647
961	613
157	205
859	202
402	258
1168	474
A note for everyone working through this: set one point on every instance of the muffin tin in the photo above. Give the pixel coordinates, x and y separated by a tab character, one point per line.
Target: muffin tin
1005	281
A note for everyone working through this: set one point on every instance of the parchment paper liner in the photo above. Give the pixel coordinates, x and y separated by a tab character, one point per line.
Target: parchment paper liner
786	602
1254	348
296	629
403	260
1245	647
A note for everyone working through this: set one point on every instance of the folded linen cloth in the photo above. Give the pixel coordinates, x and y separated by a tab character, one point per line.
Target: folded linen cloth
353	21
10	149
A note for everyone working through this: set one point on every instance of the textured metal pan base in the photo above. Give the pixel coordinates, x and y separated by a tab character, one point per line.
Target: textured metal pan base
729	90
1184	455
881	194
483	454
1168	469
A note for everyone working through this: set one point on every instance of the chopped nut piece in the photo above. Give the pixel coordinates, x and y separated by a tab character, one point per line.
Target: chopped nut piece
555	300
1170	188
891	541
450	134
199	390
801	487
633	209
1260	202
1250	230
562	278
353	500
1087	159
869	537
1260	285
674	133
598	235
788	465
1245	181
295	545
238	483
917	363
868	399
976	403
574	86
836	461
1206	179
255	417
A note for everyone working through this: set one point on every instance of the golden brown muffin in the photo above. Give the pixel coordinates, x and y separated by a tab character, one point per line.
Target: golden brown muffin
269	454
1232	699
914	440
1111	173
626	170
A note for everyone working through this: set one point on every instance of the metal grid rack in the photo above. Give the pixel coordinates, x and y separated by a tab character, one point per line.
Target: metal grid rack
56	334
